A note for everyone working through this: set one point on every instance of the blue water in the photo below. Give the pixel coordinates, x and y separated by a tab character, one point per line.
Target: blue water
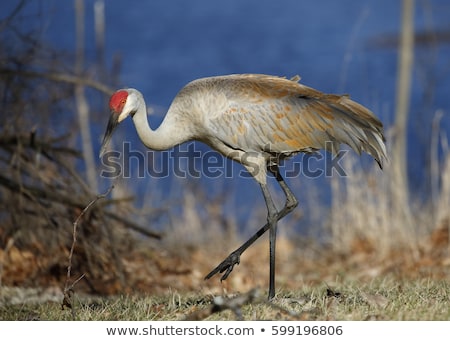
331	44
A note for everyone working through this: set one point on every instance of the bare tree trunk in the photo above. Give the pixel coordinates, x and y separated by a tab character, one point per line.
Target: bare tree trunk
99	18
80	99
399	149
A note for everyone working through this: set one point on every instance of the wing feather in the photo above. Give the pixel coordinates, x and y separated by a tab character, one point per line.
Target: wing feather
280	116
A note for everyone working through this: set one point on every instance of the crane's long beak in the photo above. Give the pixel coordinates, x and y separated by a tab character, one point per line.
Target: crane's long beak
112	124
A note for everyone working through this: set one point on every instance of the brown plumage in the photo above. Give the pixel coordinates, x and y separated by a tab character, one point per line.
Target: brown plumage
256	120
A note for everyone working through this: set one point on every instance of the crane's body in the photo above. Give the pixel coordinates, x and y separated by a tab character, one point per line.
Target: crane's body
256	120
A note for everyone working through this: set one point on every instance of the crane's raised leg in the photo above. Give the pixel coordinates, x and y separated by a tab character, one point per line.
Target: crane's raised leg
272	218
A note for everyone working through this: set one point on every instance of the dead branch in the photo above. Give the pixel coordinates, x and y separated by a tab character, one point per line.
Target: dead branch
134	226
221	303
68	289
61	77
52	195
34	143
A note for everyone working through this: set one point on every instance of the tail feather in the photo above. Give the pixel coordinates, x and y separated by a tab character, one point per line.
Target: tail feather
360	129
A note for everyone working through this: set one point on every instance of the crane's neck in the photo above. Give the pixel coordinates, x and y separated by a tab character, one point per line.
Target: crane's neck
169	134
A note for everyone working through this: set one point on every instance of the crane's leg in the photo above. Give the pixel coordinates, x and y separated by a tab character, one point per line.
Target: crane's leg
234	258
272	219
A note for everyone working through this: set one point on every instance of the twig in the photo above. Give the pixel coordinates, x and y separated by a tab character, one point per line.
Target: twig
135	227
69	288
42	145
221	303
61	77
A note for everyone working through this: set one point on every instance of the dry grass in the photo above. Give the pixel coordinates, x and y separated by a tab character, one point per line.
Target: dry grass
385	299
363	209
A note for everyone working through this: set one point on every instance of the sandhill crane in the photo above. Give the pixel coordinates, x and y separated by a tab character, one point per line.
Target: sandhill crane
256	120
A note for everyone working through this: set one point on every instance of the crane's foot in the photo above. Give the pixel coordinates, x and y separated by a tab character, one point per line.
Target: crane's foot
226	266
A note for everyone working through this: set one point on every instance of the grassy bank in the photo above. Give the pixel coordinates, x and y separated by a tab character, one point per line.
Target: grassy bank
385	299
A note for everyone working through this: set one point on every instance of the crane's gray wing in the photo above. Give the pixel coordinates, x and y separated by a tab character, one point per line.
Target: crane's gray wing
280	116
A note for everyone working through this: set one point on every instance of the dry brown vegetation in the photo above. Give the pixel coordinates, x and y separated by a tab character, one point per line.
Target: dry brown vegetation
43	190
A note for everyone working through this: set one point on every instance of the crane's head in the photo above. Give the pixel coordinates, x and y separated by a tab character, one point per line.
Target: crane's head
122	104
